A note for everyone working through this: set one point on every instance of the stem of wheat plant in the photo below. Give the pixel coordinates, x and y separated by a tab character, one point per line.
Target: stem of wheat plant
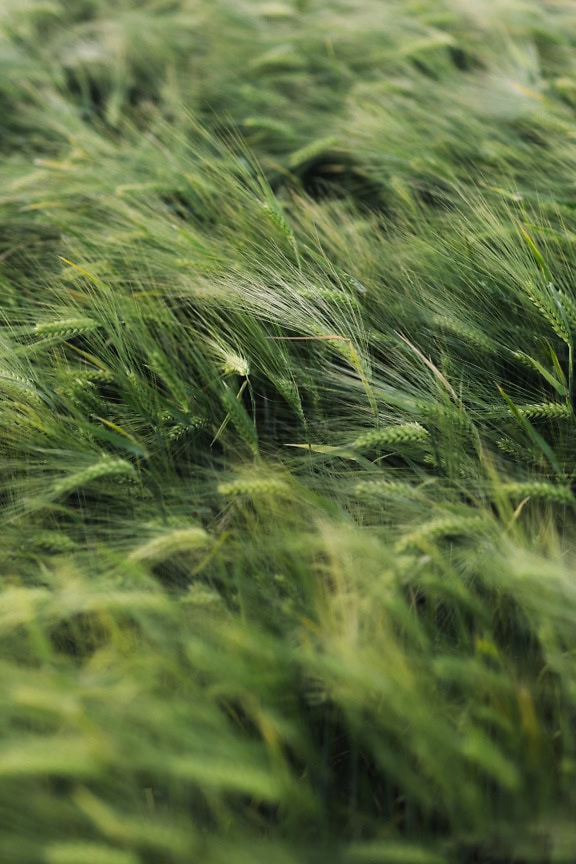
287	438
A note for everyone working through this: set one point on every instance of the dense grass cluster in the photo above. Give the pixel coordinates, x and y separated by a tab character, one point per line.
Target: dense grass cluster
288	443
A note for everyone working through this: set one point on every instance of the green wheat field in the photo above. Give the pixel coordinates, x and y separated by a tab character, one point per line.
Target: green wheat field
287	432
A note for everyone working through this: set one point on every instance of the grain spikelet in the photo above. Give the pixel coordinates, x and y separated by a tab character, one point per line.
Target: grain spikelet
161	366
550	310
545	410
404	433
277	218
442	528
517	451
385	489
167	545
65	328
240	419
14	385
569	306
311	151
254	487
465	332
538	489
105	467
329	295
55	541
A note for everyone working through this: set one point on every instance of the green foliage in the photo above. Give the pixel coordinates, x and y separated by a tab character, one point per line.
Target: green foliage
287	432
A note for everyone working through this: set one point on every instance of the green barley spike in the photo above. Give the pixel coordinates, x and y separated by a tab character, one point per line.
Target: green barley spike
385	489
405	433
311	151
569	306
444	528
253	487
549	310
240	419
538	489
173	543
105	467
546	411
277	219
65	328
